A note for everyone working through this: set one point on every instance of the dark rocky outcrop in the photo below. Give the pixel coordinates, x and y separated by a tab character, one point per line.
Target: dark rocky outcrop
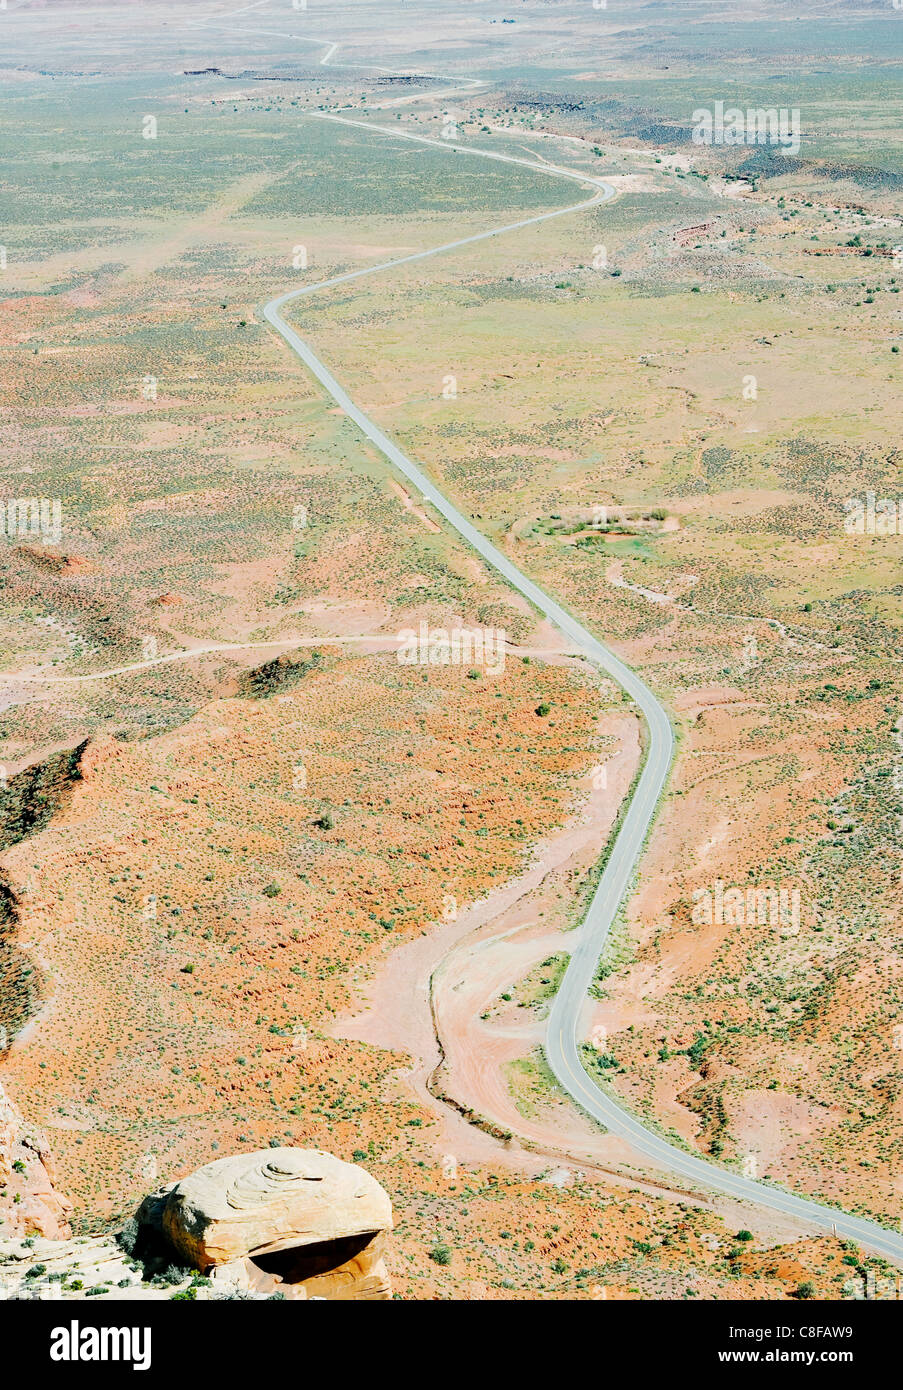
275	676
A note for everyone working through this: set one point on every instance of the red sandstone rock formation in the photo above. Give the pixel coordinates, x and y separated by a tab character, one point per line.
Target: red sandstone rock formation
29	1202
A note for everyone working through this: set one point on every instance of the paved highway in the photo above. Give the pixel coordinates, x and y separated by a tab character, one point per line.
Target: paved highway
564	1023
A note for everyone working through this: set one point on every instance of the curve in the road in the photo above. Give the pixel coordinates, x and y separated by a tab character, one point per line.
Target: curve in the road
564	1020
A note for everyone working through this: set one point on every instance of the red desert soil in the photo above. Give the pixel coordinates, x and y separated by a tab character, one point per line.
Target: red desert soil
196	906
446	980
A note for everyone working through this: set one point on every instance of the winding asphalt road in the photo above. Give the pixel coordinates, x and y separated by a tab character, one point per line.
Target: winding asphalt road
564	1022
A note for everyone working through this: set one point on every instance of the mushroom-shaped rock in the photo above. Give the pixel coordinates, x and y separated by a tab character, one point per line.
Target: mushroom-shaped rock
297	1221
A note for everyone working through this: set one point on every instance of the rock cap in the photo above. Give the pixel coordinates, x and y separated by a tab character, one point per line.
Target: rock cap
273	1199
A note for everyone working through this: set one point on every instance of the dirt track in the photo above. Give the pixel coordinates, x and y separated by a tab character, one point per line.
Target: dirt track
445	980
